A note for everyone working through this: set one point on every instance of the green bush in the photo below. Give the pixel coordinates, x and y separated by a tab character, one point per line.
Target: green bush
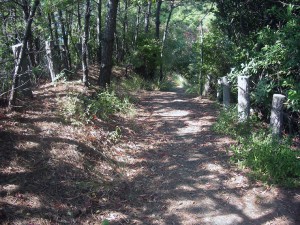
78	108
269	159
107	103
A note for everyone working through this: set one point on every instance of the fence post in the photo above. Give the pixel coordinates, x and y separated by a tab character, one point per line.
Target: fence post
226	92
52	58
207	85
277	114
24	82
243	98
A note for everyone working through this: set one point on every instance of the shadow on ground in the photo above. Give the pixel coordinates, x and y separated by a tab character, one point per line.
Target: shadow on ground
49	176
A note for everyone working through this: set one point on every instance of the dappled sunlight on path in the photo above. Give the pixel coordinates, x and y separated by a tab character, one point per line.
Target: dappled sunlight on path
189	178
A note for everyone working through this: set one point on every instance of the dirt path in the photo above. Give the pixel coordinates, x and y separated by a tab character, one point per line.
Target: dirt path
187	175
168	168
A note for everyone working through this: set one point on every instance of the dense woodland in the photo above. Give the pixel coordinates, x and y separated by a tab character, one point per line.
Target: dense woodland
74	74
156	39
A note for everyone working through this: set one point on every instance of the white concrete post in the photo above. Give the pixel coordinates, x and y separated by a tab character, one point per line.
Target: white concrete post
243	98
276	114
24	82
226	92
52	58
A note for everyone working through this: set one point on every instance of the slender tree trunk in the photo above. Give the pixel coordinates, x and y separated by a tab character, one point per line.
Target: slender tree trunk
65	40
125	30
50	27
147	16
99	29
108	43
157	18
161	76
26	11
85	38
12	97
55	29
137	25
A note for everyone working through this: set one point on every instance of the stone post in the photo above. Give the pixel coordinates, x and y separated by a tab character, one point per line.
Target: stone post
24	82
277	114
52	58
207	85
243	98
219	90
226	92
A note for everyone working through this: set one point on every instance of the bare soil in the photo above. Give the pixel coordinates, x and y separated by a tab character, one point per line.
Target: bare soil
168	167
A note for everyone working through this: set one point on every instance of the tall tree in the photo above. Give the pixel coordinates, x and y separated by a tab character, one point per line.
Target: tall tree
108	43
85	39
65	39
99	28
12	97
147	16
172	6
157	18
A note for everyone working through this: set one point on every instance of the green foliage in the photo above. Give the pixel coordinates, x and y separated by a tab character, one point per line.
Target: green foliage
145	58
107	103
72	108
269	159
79	109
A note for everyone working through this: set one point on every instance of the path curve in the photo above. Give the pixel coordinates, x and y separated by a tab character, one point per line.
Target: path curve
187	178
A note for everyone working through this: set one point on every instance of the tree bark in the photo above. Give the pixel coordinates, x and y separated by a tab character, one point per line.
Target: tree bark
85	38
65	40
26	11
157	18
99	29
147	16
12	97
137	25
164	40
108	43
125	30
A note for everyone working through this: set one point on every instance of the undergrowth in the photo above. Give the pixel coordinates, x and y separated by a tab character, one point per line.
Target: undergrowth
269	159
79	108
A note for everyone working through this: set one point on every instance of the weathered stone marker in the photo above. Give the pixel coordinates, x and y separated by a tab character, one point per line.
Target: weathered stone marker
24	82
243	98
276	114
226	92
207	85
52	58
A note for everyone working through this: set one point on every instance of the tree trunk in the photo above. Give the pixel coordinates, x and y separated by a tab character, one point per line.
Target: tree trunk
147	16
161	76
137	25
26	11
157	18
108	43
99	30
12	97
65	40
125	30
85	38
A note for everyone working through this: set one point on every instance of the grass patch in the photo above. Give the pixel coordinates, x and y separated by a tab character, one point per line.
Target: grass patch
270	160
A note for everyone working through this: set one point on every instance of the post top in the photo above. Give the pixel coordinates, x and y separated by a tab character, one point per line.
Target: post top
278	96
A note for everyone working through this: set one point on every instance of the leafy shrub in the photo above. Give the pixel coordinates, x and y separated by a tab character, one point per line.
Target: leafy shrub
72	108
107	103
268	158
227	123
79	108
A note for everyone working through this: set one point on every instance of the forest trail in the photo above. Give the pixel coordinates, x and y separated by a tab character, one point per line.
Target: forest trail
167	168
191	180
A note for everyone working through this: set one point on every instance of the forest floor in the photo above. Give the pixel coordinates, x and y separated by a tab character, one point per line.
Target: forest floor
167	167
